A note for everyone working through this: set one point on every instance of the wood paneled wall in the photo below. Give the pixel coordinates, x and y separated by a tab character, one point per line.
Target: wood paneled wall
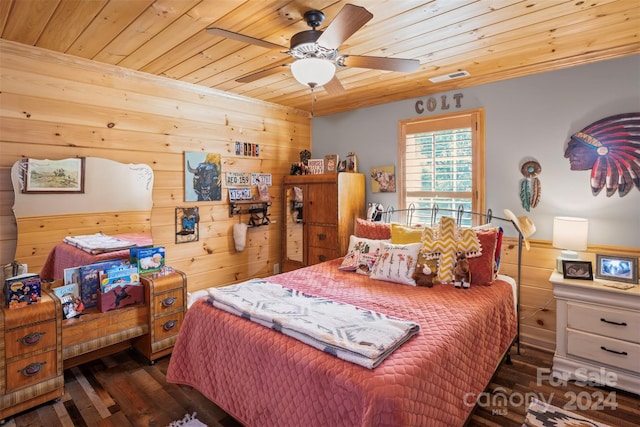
56	106
537	304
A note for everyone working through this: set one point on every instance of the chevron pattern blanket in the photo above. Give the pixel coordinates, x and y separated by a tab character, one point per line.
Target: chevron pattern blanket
351	333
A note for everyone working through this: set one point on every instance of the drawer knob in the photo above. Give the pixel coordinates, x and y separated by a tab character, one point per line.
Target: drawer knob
169	325
32	369
31	339
602	319
168	301
322	236
623	353
322	258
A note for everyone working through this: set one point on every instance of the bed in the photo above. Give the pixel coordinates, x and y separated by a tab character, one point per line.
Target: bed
264	378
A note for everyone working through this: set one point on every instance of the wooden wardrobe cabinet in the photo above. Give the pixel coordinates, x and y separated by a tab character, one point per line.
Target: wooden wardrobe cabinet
319	216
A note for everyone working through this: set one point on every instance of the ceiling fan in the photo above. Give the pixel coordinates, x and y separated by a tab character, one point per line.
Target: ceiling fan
315	53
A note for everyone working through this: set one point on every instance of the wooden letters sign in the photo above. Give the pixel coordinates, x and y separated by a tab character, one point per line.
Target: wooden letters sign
432	103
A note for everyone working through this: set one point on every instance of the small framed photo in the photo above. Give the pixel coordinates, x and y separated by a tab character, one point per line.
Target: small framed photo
577	270
617	268
187	225
331	163
54	176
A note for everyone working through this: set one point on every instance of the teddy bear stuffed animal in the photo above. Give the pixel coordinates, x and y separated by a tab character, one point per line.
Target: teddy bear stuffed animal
423	275
461	272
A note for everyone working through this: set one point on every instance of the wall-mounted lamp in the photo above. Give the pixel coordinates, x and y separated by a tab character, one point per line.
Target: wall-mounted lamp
569	234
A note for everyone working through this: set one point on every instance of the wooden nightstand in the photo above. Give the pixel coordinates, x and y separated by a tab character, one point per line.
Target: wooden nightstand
30	356
598	332
167	299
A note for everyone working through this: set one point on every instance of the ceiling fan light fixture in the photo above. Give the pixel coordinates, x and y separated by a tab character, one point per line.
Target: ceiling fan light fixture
313	72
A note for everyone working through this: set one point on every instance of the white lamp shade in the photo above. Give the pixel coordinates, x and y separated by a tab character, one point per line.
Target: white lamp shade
313	71
570	233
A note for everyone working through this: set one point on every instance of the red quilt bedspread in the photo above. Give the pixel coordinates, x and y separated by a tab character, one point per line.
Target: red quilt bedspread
264	379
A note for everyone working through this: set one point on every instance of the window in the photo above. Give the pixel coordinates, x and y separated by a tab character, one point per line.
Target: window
442	163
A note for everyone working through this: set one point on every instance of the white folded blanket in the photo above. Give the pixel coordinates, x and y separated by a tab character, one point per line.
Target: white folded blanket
351	333
98	243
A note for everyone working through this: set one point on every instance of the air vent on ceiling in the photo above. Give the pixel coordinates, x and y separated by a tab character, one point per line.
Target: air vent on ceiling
451	76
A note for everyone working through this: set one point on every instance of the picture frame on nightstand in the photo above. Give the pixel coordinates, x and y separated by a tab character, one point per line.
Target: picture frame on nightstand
581	270
617	268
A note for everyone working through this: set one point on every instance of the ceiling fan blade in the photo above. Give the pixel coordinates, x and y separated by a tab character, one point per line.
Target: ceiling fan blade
334	87
260	74
380	63
242	38
349	20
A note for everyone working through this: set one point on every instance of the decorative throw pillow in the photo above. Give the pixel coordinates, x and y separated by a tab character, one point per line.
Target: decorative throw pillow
483	267
363	245
405	234
367	262
498	251
396	263
372	229
358	248
468	242
350	261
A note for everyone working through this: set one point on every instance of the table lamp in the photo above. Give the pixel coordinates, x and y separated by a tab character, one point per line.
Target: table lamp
570	235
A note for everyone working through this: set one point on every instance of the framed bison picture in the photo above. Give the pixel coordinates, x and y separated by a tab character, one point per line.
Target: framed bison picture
202	176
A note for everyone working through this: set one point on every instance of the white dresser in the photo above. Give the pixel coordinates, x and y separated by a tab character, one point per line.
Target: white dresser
598	333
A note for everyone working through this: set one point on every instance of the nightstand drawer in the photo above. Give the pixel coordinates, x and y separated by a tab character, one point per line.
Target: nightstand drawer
169	301
30	338
164	327
620	354
31	370
610	322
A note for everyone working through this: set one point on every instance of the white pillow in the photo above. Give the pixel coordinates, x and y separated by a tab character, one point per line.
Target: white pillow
363	245
397	263
360	250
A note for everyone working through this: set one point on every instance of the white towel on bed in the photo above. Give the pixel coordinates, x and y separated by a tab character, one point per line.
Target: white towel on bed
351	333
98	243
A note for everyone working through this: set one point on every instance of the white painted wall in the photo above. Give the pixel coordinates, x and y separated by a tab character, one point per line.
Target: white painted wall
528	117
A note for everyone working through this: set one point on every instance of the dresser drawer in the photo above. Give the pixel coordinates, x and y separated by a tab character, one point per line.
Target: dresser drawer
175	280
168	302
31	370
323	236
318	255
31	338
613	352
167	326
610	322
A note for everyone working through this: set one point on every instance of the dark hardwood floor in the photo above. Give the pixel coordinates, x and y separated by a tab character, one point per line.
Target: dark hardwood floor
124	390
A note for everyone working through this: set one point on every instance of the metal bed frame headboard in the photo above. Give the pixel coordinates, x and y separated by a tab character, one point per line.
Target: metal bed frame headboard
460	212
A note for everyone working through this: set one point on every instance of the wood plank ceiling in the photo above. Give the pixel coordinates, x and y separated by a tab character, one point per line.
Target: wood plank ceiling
491	39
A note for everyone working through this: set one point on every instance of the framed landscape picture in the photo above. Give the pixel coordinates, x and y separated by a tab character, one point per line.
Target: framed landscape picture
54	176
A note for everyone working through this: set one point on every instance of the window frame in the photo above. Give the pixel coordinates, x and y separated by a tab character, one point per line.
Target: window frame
470	118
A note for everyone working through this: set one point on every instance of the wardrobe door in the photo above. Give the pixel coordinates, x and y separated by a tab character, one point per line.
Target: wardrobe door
293	239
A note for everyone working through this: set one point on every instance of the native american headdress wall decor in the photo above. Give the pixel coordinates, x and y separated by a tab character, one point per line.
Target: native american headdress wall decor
609	147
